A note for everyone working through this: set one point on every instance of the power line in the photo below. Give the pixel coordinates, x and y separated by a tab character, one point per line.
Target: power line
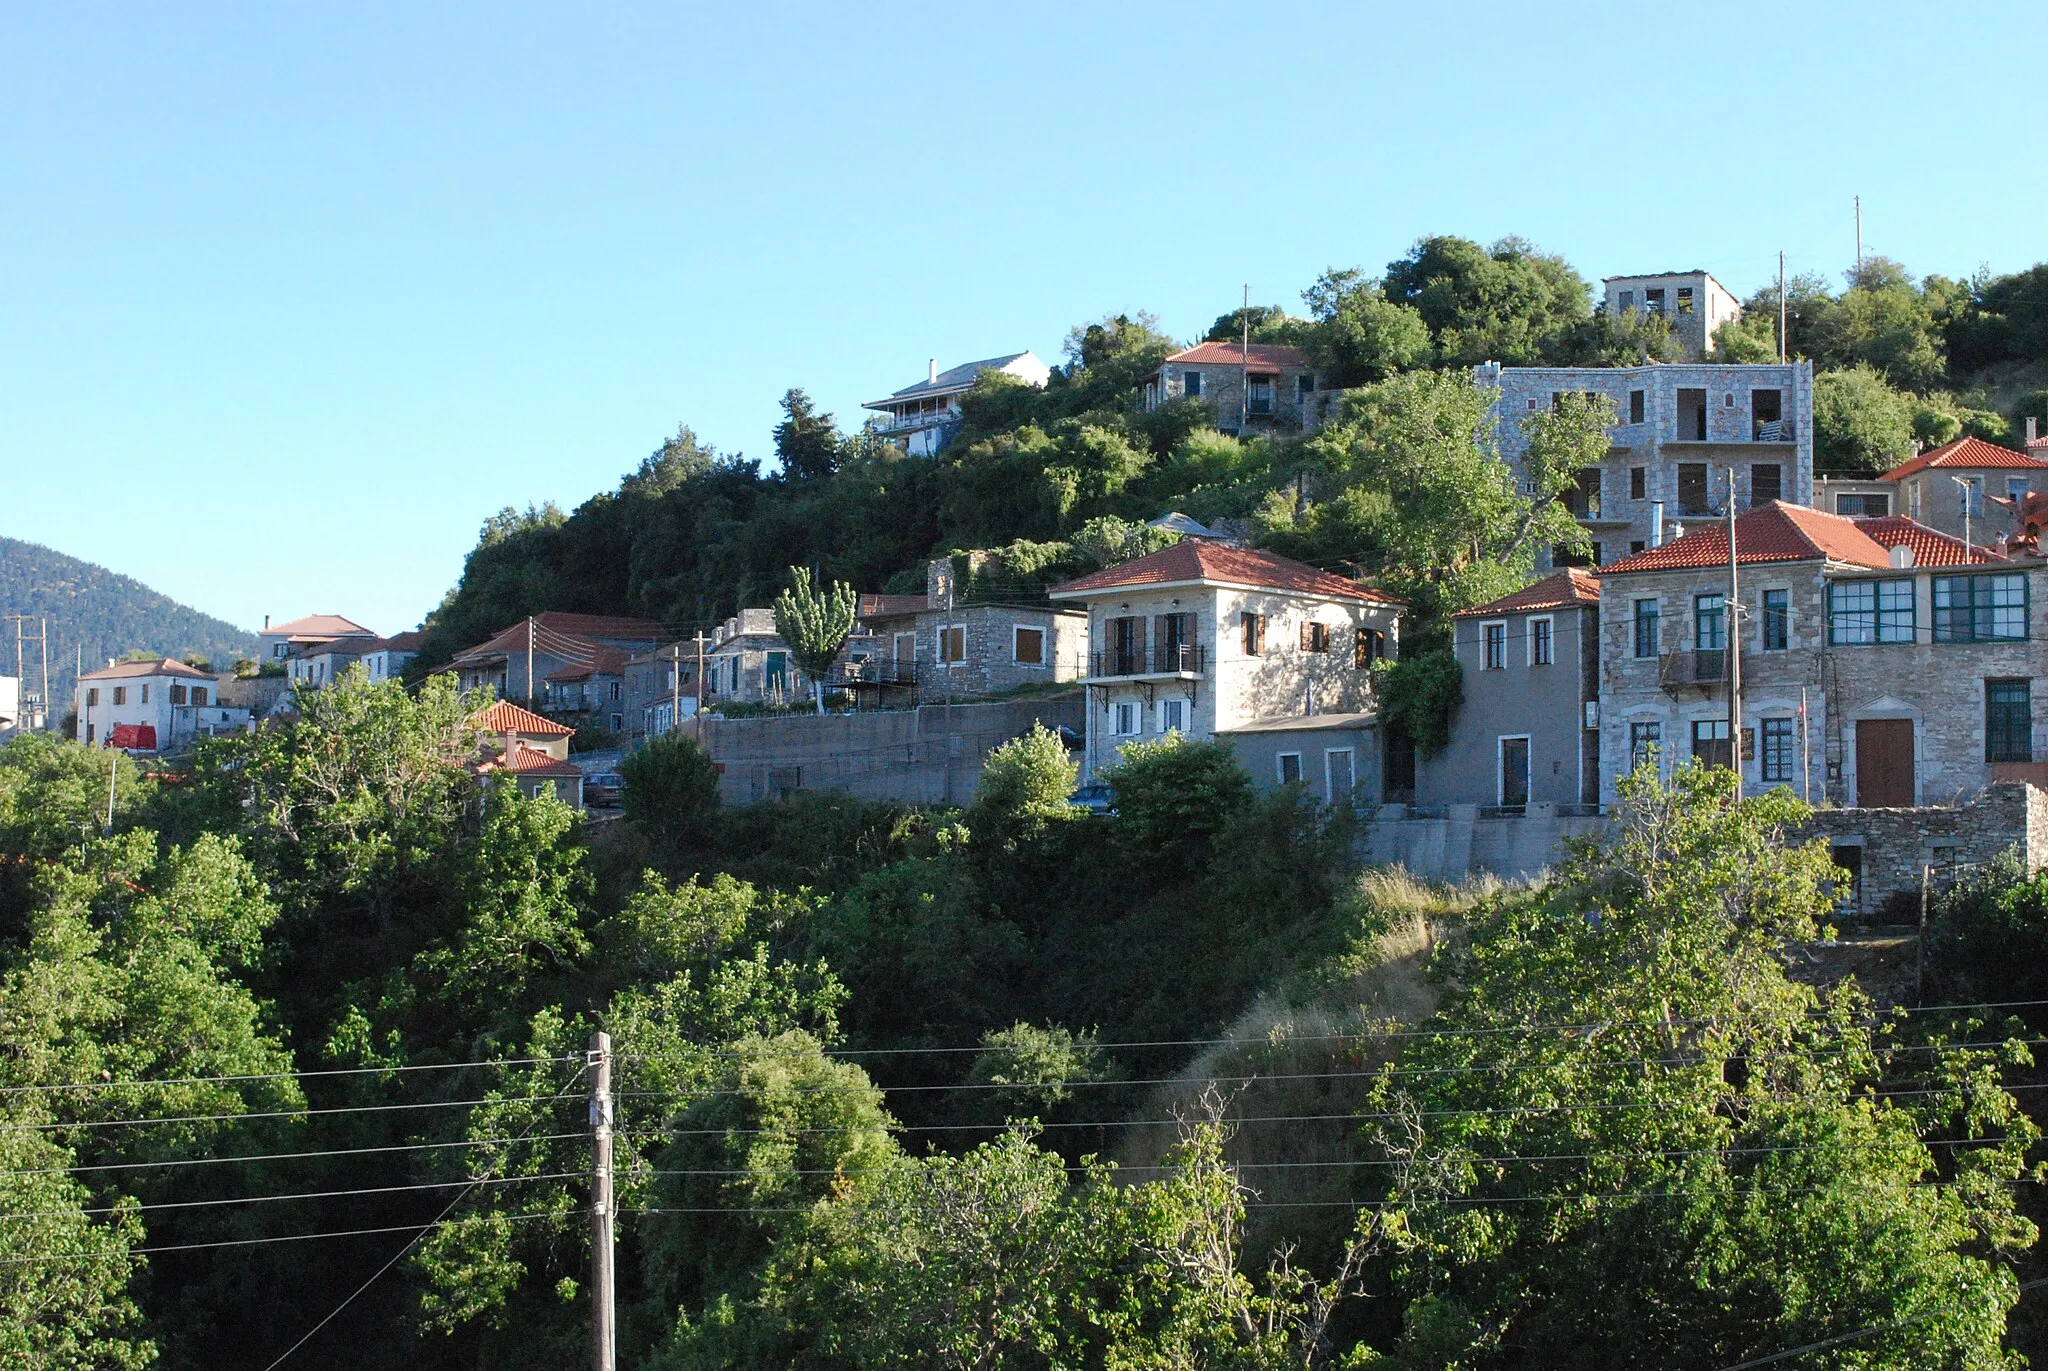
287	1156
416	1228
280	1075
303	1195
1838	1340
278	1114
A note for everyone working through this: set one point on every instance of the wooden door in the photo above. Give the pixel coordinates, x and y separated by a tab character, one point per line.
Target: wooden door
1884	763
1514	771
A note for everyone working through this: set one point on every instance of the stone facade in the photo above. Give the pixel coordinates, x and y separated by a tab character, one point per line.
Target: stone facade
1884	852
954	646
1695	422
1281	381
1937	688
1693	302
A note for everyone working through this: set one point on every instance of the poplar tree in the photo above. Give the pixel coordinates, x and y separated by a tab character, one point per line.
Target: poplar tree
815	623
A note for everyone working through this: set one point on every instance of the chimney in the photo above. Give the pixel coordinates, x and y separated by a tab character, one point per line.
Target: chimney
2033	430
1656	523
933	377
266	623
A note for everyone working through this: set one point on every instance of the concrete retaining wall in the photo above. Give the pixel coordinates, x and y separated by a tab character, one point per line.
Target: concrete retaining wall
929	755
1462	843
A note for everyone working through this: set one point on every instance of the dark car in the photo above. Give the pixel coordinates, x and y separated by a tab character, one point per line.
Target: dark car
1096	799
602	789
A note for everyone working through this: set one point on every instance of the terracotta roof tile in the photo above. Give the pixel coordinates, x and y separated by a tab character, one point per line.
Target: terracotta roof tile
164	666
525	761
319	626
1229	354
1931	547
1965	453
1780	532
890	606
1201	560
1569	587
506	717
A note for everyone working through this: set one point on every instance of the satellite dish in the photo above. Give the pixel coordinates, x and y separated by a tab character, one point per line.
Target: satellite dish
1902	557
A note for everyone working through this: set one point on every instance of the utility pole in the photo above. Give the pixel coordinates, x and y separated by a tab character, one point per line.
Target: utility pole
1244	366
603	1310
1781	306
675	686
1920	959
699	715
1859	239
113	770
1805	752
45	709
529	659
1734	647
84	726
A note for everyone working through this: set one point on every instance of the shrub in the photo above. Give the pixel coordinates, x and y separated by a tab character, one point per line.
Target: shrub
671	789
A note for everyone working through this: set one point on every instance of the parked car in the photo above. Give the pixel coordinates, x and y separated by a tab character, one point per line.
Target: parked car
603	789
1096	799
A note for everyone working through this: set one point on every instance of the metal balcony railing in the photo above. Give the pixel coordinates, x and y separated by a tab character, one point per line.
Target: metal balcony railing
1693	667
1183	659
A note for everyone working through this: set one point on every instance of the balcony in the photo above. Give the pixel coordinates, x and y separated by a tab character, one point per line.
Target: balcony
1137	663
906	423
1703	669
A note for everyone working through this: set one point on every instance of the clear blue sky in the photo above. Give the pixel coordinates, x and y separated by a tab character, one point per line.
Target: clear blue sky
295	296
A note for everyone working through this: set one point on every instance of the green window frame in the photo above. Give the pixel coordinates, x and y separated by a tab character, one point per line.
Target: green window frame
1865	612
1710	622
1780	750
1777	620
1646	628
1645	741
1981	609
2009	721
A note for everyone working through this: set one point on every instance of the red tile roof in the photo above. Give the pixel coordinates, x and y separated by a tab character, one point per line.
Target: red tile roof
585	629
1965	453
524	761
1273	355
1779	532
128	671
1202	560
403	642
890	606
506	717
1568	587
604	661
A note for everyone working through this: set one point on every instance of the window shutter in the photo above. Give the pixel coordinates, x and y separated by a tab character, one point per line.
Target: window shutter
1308	637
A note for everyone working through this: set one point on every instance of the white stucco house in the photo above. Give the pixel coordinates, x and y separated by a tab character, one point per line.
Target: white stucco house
155	706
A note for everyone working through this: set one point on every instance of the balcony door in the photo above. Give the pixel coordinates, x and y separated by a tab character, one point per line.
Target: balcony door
1514	772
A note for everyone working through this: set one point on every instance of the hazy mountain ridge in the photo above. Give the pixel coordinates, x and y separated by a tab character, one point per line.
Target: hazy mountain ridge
99	614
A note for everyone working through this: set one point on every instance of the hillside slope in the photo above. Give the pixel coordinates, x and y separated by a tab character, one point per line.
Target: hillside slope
101	612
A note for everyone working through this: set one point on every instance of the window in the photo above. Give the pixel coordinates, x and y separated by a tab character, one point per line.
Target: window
177	694
1494	640
1646	628
1369	645
120	695
1625	301
1863	506
1848	858
1710	622
1766	415
1174	641
92	697
1315	637
1635	406
1692	488
1685	299
1027	646
1710	742
1173	716
1253	627
1645	741
1191	384
1339	775
1583	496
1779	750
1980	609
776	672
1913	499
1766	482
1288	765
1125	713
952	642
618	722
1777	620
1303	386
1862	612
1638	483
1541	651
198	695
2008	721
1636	545
89	732
1653	300
2015	488
145	694
1259	398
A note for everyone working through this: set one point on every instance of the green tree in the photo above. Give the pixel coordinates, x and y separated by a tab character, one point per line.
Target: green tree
1508	303
1359	335
671	791
806	442
1174	796
1861	426
1421	696
1629	1138
1027	1072
1024	785
815	624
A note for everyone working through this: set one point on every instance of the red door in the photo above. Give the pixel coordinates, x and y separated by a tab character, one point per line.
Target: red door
1884	763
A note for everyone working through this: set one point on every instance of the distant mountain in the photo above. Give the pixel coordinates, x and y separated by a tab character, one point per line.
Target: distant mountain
101	612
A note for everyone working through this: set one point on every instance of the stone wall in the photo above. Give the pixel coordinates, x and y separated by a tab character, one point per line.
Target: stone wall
929	755
1895	845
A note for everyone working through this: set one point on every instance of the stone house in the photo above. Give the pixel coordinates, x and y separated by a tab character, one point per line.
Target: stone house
660	688
1693	302
748	662
1678	430
957	642
1854	497
158	706
1967	488
592	689
1214	641
924	416
1528	732
1883	663
1268	387
516	661
276	641
387	658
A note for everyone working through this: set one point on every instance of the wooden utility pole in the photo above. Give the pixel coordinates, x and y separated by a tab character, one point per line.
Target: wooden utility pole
699	715
675	686
1920	961
603	1309
529	659
1244	366
44	713
1781	306
1734	634
1859	240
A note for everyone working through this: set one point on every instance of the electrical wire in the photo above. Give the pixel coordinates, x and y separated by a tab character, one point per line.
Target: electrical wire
1839	1339
280	1075
417	1229
280	1113
6	1216
288	1156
